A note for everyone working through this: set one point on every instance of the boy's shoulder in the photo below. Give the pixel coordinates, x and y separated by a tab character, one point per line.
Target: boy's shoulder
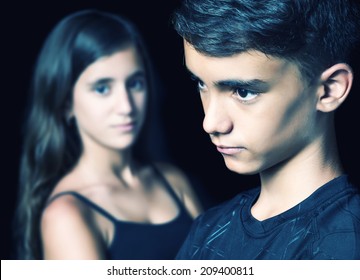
336	223
324	226
339	194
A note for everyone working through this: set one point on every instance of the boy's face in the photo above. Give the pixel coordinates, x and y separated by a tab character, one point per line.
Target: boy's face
259	113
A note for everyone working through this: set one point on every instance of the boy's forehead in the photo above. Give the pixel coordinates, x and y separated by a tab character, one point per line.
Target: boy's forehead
246	65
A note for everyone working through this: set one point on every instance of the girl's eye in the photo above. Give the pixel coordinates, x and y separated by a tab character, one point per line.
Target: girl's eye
245	95
137	84
102	89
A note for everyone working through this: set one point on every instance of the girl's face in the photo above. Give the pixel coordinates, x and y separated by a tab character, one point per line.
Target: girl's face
109	100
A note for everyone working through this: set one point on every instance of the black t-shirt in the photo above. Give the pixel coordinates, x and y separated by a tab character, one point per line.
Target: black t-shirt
143	241
326	225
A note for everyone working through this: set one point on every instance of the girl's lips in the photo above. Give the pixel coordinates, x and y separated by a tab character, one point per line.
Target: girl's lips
229	150
124	127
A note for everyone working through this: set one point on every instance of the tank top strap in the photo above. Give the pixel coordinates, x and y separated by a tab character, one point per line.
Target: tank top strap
168	187
87	201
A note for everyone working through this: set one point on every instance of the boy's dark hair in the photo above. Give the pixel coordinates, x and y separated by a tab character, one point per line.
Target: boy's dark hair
314	34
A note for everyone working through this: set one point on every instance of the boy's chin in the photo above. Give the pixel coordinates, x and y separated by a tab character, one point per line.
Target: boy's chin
240	168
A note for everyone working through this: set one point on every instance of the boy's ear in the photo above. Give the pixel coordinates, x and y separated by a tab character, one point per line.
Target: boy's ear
335	86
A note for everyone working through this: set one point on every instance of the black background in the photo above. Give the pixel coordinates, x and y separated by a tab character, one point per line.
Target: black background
25	24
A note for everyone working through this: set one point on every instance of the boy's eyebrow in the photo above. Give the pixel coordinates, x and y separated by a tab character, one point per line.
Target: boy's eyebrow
249	84
192	75
256	84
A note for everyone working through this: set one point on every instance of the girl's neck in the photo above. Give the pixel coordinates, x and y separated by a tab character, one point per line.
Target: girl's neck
102	164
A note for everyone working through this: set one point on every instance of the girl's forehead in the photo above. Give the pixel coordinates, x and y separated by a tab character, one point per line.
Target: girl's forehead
120	62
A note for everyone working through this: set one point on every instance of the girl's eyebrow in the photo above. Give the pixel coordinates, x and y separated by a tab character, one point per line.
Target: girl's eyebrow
138	73
107	80
104	80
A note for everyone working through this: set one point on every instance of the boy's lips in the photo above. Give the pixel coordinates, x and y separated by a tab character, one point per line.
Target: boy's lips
229	150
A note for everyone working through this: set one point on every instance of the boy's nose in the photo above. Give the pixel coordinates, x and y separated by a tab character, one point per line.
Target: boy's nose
216	120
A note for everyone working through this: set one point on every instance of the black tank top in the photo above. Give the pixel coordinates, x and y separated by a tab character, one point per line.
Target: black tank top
142	241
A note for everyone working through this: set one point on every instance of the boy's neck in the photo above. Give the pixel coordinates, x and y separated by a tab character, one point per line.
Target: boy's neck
289	183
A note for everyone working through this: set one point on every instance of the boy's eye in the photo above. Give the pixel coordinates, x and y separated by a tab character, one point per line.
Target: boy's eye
245	95
102	89
200	85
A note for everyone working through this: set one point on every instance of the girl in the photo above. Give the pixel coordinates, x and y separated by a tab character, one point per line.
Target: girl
84	194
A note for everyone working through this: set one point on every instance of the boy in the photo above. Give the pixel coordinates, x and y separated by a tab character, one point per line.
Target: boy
271	75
